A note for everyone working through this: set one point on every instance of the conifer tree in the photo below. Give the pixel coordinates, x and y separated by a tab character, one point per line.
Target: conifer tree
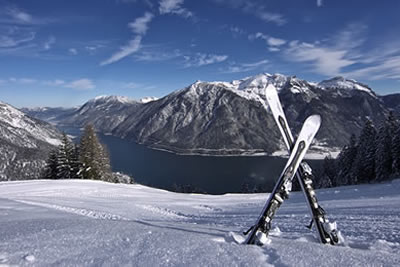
384	159
94	157
396	151
64	157
364	163
50	171
329	173
345	161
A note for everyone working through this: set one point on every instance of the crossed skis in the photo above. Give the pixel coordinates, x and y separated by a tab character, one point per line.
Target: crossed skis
294	167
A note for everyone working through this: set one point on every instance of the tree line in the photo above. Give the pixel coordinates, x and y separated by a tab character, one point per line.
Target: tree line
373	156
87	160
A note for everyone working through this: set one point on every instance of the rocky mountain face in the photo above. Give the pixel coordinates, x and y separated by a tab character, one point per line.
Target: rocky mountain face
103	112
223	118
392	102
24	144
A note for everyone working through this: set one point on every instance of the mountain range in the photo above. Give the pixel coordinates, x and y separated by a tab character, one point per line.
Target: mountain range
225	118
24	144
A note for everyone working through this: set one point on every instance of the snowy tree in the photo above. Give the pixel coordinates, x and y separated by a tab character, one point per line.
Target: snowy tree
384	159
94	157
50	171
345	161
65	153
364	163
396	151
328	174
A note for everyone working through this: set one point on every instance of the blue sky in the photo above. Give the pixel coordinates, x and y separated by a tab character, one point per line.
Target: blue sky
62	53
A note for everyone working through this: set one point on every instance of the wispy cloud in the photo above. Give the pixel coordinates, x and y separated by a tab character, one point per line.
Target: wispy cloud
139	27
324	60
81	84
320	3
255	8
157	53
174	7
271	41
49	43
201	59
126	50
344	53
245	67
73	51
12	36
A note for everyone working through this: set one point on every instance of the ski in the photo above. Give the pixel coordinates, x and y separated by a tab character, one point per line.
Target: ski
259	232
327	231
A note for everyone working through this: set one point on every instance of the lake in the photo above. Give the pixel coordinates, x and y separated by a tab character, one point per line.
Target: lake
211	174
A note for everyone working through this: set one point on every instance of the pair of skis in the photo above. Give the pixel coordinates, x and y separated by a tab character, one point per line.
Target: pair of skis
327	232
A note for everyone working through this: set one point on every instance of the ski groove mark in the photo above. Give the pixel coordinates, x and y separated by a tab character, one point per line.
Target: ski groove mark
100	215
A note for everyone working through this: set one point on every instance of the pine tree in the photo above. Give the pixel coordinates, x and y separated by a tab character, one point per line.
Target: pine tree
65	155
345	161
364	164
50	171
396	151
94	157
384	159
329	173
75	163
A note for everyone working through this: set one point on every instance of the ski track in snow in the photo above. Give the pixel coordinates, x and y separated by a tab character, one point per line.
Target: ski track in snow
91	223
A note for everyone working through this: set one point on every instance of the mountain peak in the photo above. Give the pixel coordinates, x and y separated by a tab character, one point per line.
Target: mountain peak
112	98
339	82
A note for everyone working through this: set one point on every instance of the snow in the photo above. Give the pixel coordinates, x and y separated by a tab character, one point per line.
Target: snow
342	83
20	124
148	99
77	222
113	98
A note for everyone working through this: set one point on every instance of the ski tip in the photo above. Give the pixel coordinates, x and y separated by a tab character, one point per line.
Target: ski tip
270	89
314	119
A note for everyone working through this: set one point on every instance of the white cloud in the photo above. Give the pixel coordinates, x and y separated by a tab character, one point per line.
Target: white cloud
244	67
324	60
73	51
271	41
320	3
140	25
153	54
276	18
19	15
13	36
132	47
256	9
174	7
201	59
81	84
54	83
48	44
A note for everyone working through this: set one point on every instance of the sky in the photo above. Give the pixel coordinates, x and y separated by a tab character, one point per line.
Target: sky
63	53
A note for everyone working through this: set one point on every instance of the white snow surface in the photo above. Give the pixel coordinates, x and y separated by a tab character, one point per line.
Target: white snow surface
342	83
92	223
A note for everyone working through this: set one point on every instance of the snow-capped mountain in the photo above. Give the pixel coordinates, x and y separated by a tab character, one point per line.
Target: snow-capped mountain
231	117
345	85
202	118
104	112
25	142
49	114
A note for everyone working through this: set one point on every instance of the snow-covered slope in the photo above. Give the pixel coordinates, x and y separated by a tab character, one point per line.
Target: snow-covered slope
104	112
341	83
24	143
93	223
